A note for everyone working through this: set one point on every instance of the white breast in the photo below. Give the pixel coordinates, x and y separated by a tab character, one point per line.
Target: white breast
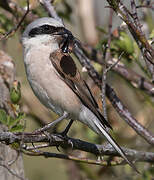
46	84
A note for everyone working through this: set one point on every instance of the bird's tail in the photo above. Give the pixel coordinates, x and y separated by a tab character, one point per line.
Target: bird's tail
97	126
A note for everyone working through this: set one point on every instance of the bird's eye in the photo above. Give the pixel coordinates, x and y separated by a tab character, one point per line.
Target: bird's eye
46	27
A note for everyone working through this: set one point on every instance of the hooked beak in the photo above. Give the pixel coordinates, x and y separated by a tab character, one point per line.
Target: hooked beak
63	32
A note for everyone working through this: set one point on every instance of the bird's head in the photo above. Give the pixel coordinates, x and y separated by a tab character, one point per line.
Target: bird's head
46	31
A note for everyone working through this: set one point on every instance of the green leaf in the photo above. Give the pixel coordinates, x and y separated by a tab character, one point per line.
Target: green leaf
125	43
102	30
15	96
16	121
15	145
21	116
5	23
10	120
17	128
15	92
3	117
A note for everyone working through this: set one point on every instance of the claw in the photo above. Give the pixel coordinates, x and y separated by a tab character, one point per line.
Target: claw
64	133
71	143
58	148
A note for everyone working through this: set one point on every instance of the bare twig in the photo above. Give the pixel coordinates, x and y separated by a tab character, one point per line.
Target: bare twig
138	26
104	93
13	30
50	9
13	160
52	124
108	52
115	63
137	33
64	142
30	148
104	81
135	79
128	74
135	16
11	171
74	158
140	38
107	57
147	5
117	104
10	156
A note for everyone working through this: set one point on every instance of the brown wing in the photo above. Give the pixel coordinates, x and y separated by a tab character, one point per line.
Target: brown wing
69	73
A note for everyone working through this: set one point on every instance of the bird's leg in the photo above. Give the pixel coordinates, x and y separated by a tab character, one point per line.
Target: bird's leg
48	126
64	133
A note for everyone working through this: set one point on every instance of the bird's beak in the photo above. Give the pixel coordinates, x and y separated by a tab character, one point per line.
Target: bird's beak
63	32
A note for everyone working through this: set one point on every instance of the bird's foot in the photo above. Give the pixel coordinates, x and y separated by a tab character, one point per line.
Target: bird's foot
65	132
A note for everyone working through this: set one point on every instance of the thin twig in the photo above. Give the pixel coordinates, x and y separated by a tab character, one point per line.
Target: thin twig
74	158
146	49
64	142
135	16
50	9
30	148
128	74
115	63
116	102
14	160
11	171
52	124
146	6
138	27
151	6
107	57
13	30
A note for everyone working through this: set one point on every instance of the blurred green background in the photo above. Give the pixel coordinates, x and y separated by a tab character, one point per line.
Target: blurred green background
88	20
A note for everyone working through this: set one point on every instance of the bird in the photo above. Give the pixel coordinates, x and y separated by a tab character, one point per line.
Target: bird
56	80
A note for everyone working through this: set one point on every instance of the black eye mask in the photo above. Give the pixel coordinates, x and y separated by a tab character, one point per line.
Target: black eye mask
45	29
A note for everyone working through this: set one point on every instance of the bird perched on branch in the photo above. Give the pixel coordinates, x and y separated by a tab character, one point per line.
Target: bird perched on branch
55	79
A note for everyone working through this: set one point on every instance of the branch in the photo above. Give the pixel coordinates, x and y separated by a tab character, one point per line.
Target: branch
117	104
8	155
74	158
11	171
13	30
135	79
77	159
135	29
77	144
107	57
131	76
50	9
